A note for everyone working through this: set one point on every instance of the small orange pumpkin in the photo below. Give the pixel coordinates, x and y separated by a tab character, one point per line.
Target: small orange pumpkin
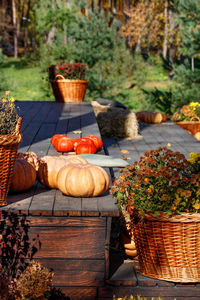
82	180
24	176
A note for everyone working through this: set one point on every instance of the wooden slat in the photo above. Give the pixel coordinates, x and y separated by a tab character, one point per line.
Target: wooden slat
66	206
70	242
71	272
80	293
42	202
67	222
184	292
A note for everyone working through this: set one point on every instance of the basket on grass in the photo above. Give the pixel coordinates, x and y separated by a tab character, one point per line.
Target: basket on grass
8	151
168	247
69	90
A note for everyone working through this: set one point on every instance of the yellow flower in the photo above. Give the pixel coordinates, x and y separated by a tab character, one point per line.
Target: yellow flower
194	156
196	205
194	104
3	100
7	93
12	99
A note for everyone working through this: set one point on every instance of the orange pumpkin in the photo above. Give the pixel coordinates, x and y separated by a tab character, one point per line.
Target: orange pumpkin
50	166
24	176
82	180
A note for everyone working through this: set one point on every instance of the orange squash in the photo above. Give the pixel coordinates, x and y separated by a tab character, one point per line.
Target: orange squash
24	176
151	117
82	180
50	166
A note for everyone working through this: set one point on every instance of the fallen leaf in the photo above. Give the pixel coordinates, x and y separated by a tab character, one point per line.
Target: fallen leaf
77	131
124	151
126	158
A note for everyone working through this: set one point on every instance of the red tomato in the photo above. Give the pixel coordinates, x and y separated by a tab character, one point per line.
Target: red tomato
85	140
55	138
84	147
97	141
64	144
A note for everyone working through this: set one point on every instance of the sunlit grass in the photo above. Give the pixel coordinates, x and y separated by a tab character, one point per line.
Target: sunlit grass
24	81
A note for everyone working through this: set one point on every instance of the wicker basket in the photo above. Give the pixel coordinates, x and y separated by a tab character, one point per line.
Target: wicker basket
168	247
69	90
8	152
192	126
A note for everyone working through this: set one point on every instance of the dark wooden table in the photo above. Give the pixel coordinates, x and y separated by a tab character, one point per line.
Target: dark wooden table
75	232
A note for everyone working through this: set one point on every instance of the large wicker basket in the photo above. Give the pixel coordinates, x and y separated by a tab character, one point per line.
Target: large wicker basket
8	152
69	90
168	247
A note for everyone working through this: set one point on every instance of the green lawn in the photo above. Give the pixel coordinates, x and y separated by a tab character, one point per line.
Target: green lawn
24	82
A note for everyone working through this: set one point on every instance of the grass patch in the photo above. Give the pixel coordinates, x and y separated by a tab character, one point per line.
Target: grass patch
24	82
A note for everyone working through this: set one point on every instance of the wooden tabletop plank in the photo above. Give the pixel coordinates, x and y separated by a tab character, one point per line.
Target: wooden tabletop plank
41	120
66	206
43	201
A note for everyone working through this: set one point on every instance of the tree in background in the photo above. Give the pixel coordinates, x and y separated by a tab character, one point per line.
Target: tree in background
17	26
103	50
150	26
187	74
66	34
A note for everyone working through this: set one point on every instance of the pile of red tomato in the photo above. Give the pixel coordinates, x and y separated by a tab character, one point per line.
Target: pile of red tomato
87	144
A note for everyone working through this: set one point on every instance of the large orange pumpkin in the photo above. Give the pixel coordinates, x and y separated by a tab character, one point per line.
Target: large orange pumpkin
50	166
24	176
84	180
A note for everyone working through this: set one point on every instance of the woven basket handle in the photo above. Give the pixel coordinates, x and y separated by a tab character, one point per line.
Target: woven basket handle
18	126
59	76
193	119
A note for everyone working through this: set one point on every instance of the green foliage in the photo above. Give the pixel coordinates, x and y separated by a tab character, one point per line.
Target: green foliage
104	51
188	19
187	88
186	74
2	57
161	181
158	100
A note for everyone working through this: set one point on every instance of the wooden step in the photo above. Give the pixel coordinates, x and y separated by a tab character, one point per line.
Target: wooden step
127	281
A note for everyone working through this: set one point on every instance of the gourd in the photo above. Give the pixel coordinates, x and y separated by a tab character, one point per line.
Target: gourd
151	117
55	138
50	166
30	157
85	141
85	147
97	141
82	180
24	176
64	144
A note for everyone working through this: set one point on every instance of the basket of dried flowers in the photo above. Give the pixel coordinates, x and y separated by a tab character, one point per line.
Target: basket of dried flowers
10	137
161	195
188	117
68	81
